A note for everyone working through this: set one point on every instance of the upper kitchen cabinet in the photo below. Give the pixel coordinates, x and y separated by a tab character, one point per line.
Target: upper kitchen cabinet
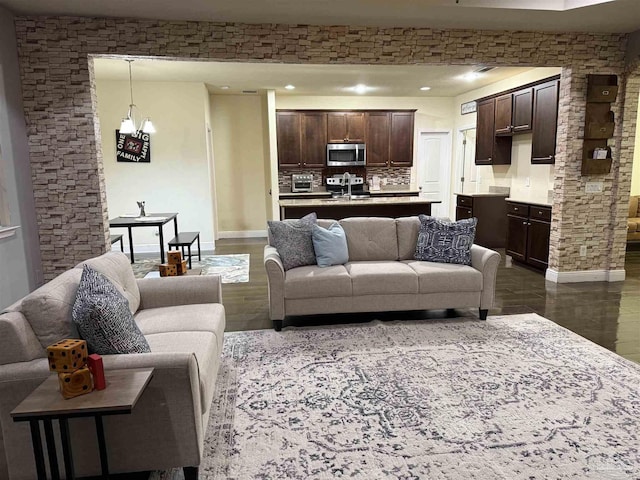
401	142
490	149
545	122
513	112
377	138
314	139
502	120
345	127
288	126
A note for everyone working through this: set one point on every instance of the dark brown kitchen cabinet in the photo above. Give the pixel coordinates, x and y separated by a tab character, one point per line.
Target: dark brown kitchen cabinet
528	232
288	137
401	142
522	114
502	121
377	137
490	210
490	150
545	122
345	127
314	139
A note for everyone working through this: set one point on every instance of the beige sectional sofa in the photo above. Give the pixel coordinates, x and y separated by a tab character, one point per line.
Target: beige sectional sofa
381	275
183	320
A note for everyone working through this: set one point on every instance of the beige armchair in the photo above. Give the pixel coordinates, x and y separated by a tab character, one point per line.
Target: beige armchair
633	222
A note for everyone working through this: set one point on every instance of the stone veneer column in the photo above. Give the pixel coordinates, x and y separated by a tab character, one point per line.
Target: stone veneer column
59	102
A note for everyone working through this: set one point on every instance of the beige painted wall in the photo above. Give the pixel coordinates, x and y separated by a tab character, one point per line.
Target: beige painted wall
239	150
514	175
635	179
177	178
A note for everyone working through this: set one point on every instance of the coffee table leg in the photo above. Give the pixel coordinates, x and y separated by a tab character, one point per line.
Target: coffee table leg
104	463
51	449
37	449
66	449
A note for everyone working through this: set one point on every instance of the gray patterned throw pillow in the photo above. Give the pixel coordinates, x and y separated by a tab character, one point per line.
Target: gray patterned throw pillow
293	240
445	242
103	318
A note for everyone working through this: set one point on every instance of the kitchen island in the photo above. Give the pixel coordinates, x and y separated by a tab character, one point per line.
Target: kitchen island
343	207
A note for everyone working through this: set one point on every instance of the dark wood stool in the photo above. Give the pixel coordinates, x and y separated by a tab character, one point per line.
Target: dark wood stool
117	238
186	239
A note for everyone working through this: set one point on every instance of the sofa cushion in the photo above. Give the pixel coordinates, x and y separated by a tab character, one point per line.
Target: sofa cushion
313	281
441	241
436	277
292	239
203	345
371	239
117	268
48	309
633	225
634	206
207	317
102	316
382	277
330	245
407	229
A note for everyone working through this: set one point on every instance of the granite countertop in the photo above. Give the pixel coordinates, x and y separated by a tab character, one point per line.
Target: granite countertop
385	190
537	203
325	202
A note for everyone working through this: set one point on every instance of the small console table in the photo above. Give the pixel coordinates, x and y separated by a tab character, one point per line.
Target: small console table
45	404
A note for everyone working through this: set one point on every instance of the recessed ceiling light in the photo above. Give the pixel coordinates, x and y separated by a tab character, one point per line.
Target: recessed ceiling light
469	77
424	89
225	87
289	87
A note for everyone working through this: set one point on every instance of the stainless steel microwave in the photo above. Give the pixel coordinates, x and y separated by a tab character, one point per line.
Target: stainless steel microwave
346	155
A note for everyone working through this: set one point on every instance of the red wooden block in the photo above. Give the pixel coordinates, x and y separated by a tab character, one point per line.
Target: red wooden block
94	362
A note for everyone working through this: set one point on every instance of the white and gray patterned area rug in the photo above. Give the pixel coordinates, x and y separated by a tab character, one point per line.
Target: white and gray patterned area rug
232	268
516	397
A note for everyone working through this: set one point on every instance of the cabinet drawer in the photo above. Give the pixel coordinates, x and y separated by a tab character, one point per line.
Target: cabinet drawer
464	201
518	209
463	212
540	213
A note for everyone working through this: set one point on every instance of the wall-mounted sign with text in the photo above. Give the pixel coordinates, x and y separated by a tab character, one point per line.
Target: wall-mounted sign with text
133	147
469	107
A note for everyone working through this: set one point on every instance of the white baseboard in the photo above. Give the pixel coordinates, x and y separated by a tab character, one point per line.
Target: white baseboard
585	276
243	234
154	247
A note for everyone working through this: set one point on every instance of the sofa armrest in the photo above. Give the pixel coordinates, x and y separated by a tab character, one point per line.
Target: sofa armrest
486	261
184	290
19	343
275	282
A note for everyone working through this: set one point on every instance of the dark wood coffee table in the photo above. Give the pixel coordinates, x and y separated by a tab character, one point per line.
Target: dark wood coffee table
46	403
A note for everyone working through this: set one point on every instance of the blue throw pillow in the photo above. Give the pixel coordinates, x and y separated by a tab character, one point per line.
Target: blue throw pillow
103	318
292	239
445	242
330	245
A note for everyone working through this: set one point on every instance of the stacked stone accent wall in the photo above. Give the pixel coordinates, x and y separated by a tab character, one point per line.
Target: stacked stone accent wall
67	169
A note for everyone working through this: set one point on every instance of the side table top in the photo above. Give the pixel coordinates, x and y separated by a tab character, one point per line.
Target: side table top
124	388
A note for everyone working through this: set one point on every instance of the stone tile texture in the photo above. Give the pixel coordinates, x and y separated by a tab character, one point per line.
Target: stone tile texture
56	56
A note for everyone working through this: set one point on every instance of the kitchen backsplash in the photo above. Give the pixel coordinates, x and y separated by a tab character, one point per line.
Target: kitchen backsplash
393	176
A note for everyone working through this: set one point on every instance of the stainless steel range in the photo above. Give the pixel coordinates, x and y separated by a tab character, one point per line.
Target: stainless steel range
340	183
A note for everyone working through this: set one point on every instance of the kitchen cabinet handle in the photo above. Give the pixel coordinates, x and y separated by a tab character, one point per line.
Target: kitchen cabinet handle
515	209
524	223
392	162
605	92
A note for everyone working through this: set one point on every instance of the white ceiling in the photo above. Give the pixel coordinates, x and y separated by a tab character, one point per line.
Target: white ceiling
616	16
326	80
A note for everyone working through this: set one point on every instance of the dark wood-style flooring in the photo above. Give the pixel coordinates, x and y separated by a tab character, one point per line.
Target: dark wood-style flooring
605	313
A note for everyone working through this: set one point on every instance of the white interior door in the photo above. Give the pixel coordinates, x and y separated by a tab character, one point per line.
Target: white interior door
434	167
467	169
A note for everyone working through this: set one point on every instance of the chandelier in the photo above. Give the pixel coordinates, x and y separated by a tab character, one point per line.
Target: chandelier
128	125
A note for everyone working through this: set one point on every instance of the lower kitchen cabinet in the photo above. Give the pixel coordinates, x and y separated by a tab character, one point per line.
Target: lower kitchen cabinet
490	210
528	231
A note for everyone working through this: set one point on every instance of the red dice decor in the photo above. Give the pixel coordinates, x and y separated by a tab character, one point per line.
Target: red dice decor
94	362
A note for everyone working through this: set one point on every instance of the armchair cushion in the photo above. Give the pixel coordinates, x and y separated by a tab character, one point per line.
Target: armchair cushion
103	318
